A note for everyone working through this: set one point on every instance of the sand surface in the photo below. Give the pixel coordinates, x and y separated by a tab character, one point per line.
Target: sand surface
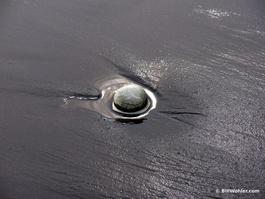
204	61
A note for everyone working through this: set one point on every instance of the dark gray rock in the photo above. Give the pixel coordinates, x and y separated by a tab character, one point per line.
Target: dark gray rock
130	98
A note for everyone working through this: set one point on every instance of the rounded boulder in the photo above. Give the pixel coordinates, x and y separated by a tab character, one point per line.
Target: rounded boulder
130	98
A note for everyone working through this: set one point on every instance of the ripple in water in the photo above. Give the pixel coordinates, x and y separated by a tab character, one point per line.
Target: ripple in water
103	104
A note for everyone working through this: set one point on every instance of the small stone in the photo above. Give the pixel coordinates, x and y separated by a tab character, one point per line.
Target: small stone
130	98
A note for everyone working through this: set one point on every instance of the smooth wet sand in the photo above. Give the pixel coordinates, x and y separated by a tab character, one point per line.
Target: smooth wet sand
204	60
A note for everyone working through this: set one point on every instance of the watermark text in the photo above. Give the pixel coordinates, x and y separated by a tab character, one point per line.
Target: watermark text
237	191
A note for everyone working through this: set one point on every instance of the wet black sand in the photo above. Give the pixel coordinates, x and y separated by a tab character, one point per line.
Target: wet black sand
204	60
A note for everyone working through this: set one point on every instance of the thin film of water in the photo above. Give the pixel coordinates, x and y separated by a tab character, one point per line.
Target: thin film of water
103	105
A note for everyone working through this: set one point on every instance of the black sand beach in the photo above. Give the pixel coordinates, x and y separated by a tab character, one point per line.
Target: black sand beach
204	61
